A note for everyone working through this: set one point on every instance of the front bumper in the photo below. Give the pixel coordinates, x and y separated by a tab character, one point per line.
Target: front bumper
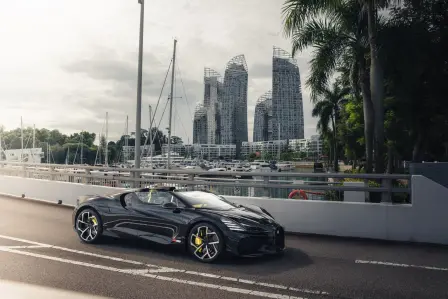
250	244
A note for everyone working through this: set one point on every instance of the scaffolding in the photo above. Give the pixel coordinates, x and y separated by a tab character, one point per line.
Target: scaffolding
287	103
263	118
234	103
212	98
200	125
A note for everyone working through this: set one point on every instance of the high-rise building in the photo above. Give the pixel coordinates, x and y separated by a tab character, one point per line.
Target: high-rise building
287	104
263	118
200	125
234	103
213	89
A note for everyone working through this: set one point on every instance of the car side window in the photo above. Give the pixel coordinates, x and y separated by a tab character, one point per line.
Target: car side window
152	197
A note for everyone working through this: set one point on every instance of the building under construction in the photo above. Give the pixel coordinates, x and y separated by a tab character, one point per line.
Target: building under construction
287	104
200	125
213	91
263	118
234	103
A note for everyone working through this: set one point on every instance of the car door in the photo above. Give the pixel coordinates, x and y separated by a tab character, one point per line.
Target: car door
162	224
125	217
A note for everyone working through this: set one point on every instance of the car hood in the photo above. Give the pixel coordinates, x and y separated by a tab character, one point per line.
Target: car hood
245	215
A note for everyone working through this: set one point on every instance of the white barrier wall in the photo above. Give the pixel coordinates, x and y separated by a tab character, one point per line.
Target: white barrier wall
51	191
423	221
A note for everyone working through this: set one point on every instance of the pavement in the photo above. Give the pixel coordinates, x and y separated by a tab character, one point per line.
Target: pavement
38	247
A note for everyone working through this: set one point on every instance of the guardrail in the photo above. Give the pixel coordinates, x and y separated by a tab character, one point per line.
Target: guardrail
318	186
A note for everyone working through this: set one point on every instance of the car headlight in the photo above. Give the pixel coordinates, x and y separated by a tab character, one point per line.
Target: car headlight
232	225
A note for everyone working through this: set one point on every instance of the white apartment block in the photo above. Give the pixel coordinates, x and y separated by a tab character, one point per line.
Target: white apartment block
203	151
311	146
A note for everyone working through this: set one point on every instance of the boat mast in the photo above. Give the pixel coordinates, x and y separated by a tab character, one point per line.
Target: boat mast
21	139
171	104
34	136
82	146
106	156
150	134
1	146
34	142
126	140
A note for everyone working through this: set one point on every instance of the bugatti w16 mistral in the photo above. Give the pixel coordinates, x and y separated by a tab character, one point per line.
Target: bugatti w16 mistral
207	224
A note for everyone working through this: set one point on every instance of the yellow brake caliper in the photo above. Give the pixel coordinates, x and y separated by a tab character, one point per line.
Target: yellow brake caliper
198	241
95	222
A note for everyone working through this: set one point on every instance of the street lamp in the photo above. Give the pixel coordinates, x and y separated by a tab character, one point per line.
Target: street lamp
138	118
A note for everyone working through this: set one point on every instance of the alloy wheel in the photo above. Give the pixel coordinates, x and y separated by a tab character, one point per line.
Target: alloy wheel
205	243
87	225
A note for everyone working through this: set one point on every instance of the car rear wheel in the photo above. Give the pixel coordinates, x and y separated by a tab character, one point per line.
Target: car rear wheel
89	226
205	242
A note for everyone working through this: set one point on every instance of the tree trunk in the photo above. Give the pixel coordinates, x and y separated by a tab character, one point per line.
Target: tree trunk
390	159
417	151
368	114
335	145
376	87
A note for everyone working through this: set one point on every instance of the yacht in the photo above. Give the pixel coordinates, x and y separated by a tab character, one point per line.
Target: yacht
285	166
260	166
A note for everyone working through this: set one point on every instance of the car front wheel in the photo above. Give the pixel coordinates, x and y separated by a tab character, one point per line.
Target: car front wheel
205	242
89	226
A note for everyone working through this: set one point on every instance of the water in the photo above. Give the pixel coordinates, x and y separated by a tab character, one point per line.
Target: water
260	192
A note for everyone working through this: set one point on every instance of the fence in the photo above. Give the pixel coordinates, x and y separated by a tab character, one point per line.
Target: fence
313	186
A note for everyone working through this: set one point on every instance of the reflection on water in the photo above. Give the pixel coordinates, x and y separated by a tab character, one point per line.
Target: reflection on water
260	192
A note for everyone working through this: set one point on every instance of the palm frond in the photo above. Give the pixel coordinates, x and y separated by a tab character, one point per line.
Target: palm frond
324	63
315	31
296	12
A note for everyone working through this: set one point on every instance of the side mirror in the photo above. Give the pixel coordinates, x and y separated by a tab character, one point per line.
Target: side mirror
169	205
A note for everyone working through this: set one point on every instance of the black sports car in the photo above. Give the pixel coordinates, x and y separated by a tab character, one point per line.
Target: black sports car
206	223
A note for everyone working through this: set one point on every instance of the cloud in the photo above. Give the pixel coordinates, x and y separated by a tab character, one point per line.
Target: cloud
261	70
64	66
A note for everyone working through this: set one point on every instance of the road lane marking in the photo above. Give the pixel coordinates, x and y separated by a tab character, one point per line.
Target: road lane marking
162	269
139	272
26	247
400	265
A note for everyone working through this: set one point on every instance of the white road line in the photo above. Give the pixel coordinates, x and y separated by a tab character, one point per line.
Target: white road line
139	272
162	269
400	265
22	240
26	247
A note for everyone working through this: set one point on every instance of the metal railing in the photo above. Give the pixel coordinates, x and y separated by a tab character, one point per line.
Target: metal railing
316	186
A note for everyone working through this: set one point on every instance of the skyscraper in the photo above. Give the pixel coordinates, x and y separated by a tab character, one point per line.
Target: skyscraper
287	104
213	89
234	103
200	125
263	118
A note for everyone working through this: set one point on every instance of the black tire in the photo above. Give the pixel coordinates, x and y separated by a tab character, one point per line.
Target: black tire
89	226
196	247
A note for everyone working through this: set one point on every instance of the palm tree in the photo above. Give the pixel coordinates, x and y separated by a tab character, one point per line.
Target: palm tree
339	36
327	108
377	75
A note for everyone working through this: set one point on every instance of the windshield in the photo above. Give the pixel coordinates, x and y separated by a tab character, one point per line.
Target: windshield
204	200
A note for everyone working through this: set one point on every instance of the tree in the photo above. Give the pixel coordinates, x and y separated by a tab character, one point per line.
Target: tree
338	34
351	130
176	140
377	76
327	109
252	157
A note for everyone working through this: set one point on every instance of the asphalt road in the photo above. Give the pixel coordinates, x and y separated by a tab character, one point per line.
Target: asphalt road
51	255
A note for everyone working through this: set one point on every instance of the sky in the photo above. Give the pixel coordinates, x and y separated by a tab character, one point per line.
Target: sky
64	64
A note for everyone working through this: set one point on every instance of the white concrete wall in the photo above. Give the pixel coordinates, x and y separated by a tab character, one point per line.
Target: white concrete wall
50	191
423	221
348	219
